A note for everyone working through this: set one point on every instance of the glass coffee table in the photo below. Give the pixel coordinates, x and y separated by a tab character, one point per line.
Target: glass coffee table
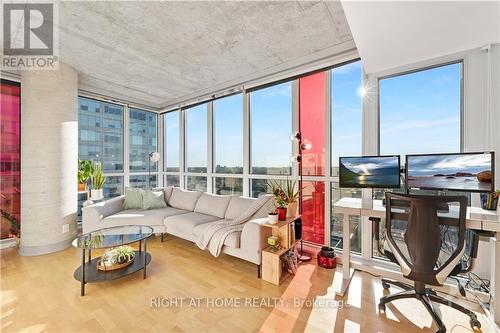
110	238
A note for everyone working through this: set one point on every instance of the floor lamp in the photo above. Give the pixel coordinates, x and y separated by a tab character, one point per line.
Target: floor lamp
298	159
154	157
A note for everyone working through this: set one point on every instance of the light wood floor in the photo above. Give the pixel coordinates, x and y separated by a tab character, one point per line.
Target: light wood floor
39	294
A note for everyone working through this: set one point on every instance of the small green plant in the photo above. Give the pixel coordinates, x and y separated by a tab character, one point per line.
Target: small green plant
124	253
292	192
97	177
118	255
279	195
84	170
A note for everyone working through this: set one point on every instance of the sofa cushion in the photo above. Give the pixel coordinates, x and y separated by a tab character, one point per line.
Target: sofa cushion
183	199
183	225
153	199
167	193
133	198
237	206
232	240
212	204
141	217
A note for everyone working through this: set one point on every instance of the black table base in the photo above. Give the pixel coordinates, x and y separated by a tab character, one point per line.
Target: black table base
92	274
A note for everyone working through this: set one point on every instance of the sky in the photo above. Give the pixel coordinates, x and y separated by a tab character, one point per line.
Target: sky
419	113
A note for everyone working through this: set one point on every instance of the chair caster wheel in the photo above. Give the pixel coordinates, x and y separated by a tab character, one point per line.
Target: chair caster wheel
385	285
381	307
475	323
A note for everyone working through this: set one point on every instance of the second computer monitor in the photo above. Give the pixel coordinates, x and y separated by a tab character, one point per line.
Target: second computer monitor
369	172
471	172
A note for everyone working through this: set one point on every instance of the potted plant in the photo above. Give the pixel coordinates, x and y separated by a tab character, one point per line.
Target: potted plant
279	198
84	173
97	180
292	194
272	217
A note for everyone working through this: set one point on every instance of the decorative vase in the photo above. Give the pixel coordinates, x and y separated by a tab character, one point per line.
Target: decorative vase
96	194
281	213
291	210
81	187
272	218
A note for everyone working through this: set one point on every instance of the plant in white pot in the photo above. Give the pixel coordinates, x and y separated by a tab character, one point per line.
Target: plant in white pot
97	179
272	217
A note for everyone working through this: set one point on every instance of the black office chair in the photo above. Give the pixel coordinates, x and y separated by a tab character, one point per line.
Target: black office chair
428	244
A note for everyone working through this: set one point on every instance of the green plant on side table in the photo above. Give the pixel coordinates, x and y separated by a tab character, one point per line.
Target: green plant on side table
292	194
84	173
97	179
279	199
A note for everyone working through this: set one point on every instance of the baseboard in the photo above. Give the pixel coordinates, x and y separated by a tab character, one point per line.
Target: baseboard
45	249
7	243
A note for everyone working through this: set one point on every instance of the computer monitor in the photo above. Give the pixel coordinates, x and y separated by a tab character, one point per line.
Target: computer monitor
469	172
370	172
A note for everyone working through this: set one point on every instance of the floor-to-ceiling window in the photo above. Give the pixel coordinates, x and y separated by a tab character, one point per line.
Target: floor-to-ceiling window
142	141
270	131
346	140
10	158
420	113
171	147
100	138
228	144
196	146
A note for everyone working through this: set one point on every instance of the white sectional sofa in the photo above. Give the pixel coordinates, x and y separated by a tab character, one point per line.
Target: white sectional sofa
186	210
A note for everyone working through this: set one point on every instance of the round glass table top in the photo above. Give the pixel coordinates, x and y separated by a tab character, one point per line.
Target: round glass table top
113	236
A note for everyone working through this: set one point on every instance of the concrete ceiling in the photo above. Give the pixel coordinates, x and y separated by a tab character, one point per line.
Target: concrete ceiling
389	34
161	53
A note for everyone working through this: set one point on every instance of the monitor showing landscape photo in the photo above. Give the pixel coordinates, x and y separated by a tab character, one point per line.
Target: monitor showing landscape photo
378	171
467	172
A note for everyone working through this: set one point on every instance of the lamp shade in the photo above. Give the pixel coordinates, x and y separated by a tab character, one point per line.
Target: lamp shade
154	156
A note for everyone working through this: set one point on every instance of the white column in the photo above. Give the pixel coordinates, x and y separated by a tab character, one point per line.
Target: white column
49	155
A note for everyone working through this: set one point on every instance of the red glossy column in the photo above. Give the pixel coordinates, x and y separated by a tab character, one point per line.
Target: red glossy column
312	102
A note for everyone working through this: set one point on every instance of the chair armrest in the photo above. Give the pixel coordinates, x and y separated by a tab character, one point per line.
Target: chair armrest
93	214
254	236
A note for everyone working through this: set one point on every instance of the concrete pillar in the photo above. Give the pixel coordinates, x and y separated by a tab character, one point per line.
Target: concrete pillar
49	155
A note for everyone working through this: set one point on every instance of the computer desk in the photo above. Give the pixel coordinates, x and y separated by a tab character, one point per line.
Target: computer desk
476	218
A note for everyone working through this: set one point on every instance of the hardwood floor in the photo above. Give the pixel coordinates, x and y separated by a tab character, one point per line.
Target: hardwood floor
39	294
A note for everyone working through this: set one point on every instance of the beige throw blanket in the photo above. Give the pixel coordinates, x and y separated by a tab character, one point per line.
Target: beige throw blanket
213	235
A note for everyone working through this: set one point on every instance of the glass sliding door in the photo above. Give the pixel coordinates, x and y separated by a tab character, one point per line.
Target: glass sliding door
10	159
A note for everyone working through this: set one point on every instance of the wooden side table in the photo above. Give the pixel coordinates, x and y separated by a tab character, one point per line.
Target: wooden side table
272	267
